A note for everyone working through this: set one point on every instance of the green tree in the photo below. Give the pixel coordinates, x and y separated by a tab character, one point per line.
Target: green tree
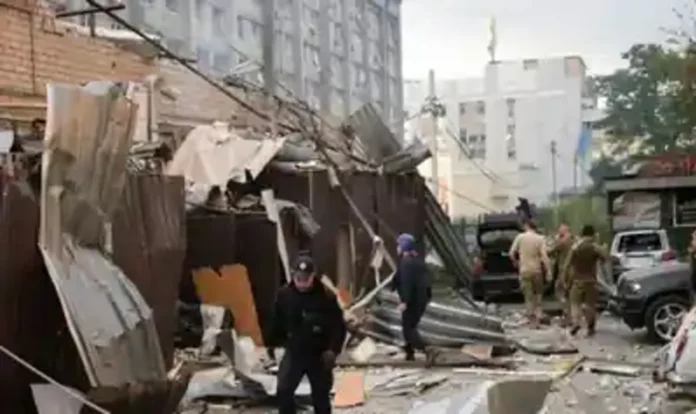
649	104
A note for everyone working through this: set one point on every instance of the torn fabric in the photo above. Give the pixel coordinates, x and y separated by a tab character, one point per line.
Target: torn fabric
212	155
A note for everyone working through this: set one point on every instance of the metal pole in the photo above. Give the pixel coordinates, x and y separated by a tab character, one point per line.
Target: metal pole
268	47
575	174
434	173
553	178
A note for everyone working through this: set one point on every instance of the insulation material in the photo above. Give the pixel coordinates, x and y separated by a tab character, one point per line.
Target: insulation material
230	287
88	136
212	155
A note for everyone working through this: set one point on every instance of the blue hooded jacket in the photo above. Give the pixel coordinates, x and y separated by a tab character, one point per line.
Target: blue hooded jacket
412	281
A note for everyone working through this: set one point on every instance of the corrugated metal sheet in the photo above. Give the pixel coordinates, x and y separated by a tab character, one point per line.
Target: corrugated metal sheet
149	244
442	325
448	245
373	134
84	176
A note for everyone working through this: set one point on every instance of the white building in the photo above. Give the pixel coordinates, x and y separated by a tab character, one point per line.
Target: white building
508	122
335	54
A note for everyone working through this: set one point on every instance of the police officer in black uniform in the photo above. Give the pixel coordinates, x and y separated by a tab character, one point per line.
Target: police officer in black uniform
309	322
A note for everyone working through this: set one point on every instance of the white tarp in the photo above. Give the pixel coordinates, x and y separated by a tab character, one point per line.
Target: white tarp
211	155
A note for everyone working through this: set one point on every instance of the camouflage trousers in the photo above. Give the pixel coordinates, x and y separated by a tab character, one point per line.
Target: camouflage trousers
583	302
562	294
532	286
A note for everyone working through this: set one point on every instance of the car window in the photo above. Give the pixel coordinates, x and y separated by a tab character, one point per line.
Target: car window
640	242
501	238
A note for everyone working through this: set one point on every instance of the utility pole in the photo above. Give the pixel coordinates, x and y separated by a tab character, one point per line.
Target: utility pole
437	111
554	154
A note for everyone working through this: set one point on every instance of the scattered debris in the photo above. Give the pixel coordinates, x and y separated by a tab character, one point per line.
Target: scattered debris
614	369
349	389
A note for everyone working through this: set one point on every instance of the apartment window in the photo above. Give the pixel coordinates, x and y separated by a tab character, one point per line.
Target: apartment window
510	108
530	64
218	22
477	146
172	5
462	108
510	143
481	107
462	135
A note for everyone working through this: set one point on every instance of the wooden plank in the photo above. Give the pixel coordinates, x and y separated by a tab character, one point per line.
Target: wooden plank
230	287
349	390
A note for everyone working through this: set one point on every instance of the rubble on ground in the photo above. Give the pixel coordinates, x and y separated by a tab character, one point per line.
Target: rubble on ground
474	378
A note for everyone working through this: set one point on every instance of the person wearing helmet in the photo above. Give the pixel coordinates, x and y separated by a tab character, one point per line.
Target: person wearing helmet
413	285
309	323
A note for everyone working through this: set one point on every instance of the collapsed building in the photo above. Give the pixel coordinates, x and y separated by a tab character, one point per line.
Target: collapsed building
108	216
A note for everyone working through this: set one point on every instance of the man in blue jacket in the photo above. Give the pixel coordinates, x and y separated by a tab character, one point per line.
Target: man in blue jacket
413	285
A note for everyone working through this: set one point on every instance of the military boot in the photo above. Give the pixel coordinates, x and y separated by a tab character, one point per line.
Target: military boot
591	330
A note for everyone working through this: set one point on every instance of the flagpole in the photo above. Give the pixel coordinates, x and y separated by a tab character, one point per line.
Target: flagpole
575	174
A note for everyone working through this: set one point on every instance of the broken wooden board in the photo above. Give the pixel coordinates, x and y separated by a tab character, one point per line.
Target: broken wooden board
412	384
349	390
478	351
230	287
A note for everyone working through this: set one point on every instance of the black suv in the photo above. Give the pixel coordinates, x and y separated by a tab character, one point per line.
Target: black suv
494	272
655	298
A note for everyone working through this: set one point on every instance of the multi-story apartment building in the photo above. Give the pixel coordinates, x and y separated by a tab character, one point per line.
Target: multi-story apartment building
501	129
335	54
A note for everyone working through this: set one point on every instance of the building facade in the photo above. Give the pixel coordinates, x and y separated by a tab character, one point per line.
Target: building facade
335	54
512	133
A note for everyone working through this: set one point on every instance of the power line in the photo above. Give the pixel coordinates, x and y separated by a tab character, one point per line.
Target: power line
181	61
488	174
459	195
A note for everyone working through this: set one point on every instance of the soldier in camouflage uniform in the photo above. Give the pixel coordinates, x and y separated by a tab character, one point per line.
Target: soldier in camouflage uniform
580	268
559	252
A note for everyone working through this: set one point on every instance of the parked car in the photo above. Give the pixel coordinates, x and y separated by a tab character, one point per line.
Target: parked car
655	297
494	271
640	248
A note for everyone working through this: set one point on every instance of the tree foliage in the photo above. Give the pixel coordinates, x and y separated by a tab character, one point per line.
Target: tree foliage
650	104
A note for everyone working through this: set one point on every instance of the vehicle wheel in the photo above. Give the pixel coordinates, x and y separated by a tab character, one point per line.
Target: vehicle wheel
664	315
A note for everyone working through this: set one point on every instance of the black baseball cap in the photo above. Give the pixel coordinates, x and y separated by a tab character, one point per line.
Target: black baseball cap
304	268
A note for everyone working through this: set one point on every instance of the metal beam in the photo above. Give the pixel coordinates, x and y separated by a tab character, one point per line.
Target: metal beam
73	13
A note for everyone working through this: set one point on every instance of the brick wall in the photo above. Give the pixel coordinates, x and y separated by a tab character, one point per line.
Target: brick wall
197	102
36	49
